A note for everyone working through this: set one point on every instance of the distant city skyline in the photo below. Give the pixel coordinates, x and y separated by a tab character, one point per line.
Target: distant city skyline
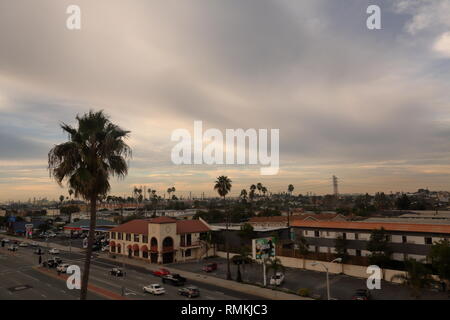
369	106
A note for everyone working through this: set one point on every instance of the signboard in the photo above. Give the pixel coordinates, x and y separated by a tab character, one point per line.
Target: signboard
263	248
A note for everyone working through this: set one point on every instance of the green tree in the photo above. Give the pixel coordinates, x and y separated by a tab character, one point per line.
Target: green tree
302	244
340	245
403	203
95	151
417	277
440	258
378	245
223	187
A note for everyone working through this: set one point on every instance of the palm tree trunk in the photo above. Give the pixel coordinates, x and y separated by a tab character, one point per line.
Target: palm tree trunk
227	248
87	262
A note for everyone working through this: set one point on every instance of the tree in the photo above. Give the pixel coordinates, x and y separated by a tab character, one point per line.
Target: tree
290	189
417	277
243	195
70	193
275	265
341	248
259	187
61	199
378	245
303	248
241	259
95	151
44	227
223	187
440	258
403	203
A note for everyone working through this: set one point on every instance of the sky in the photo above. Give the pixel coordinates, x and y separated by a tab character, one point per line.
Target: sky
369	106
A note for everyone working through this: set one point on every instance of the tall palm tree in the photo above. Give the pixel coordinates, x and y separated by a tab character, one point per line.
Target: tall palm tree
259	187
223	187
61	199
70	193
243	194
417	277
95	151
290	189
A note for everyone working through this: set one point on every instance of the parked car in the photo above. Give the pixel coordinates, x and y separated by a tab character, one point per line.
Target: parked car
190	292
361	294
23	244
52	262
161	272
209	267
117	272
5	240
62	267
277	279
53	251
156	289
174	279
13	247
51	235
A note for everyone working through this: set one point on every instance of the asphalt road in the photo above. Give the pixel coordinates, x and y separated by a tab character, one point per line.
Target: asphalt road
16	270
342	287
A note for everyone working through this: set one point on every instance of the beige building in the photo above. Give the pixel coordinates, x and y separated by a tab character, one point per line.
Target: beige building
160	240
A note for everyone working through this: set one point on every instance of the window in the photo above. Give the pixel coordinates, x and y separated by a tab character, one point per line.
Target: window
119	236
356	236
136	238
145	254
188	253
145	239
404	239
358	253
128	237
136	253
113	249
428	240
182	240
189	239
113	235
317	233
344	236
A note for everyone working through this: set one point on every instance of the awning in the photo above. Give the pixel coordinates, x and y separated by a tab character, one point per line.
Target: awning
144	248
135	247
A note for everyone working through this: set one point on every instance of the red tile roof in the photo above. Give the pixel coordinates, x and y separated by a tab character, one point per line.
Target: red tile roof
406	227
140	226
320	216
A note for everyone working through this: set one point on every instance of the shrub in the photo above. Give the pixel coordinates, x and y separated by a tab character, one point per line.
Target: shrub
303	292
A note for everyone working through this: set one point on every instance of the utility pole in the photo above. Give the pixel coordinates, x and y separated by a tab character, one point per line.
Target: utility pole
335	186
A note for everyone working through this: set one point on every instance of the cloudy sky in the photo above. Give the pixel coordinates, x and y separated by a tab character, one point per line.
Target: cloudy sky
371	107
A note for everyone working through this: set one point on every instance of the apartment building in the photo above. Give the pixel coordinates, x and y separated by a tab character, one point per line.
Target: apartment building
406	240
159	240
282	221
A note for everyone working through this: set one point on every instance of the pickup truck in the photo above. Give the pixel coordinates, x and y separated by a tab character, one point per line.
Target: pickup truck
174	279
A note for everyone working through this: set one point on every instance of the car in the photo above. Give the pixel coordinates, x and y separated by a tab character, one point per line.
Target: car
361	294
5	240
53	251
174	279
23	244
52	262
209	267
13	247
62	267
51	234
117	272
161	272
190	292
277	279
34	244
155	289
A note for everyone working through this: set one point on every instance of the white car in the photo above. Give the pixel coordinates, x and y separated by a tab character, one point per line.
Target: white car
34	244
23	244
51	234
62	267
5	240
154	289
53	251
277	279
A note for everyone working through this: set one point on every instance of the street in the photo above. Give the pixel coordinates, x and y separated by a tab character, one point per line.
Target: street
20	278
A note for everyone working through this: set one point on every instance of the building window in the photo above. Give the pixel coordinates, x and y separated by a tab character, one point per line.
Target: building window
119	236
145	254
188	253
404	239
189	239
136	253
428	240
113	235
145	239
128	237
317	234
344	236
356	236
113	249
136	238
358	253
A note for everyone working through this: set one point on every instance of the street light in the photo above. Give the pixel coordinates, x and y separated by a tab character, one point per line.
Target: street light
337	260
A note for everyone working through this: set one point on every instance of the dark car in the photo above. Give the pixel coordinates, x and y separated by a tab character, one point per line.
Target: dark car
190	292
52	262
174	279
210	267
361	294
117	272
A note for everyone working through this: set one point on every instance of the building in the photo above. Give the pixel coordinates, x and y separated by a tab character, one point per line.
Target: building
406	240
160	240
282	221
83	225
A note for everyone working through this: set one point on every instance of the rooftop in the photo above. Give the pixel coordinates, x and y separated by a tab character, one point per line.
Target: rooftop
140	226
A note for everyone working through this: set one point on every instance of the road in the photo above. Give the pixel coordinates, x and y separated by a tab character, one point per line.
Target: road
342	286
19	269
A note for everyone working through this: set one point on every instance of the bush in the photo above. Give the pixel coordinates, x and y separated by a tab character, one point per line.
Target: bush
303	292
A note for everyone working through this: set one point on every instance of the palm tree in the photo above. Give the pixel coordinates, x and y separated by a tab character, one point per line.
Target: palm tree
70	193
264	191
223	187
417	277
259	187
274	265
243	194
290	189
61	199
303	248
243	258
95	151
